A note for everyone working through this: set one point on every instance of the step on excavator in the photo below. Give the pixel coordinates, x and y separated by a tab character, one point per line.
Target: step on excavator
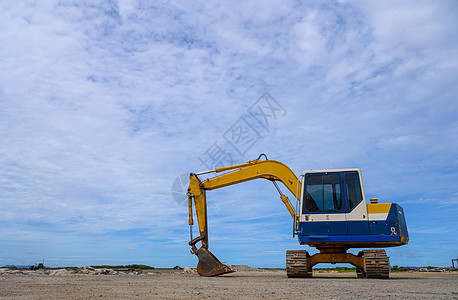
330	214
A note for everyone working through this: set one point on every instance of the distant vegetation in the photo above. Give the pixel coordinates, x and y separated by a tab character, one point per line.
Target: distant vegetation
396	268
338	269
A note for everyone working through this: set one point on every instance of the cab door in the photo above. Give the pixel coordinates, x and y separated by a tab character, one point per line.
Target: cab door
356	215
323	208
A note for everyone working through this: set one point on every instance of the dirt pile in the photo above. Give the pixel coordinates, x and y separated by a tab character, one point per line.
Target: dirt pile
244	268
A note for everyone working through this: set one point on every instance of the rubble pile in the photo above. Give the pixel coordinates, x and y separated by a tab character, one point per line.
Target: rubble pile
88	270
66	272
441	269
93	271
188	270
20	272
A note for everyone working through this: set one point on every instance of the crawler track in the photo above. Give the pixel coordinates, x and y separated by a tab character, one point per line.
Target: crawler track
377	264
296	264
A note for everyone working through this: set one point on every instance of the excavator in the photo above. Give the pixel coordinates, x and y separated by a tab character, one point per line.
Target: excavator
330	213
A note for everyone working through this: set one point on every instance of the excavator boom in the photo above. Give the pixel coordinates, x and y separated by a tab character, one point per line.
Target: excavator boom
271	170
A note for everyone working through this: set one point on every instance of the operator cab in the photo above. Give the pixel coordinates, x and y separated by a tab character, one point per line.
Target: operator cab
323	191
333	209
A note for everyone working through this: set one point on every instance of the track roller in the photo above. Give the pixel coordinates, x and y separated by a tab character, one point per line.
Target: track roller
296	264
360	273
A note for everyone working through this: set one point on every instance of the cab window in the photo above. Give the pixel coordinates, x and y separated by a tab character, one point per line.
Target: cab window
322	193
353	189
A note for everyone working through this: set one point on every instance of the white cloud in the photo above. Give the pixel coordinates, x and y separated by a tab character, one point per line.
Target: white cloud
103	104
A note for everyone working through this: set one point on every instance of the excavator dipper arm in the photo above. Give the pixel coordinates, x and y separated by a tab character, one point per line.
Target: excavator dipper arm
271	170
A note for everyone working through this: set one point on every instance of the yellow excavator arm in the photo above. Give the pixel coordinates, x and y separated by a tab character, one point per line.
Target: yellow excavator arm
271	170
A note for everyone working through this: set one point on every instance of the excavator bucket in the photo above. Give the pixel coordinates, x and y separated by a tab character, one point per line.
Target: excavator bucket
209	265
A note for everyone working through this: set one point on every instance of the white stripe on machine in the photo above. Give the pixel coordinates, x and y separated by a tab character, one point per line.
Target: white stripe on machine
378	217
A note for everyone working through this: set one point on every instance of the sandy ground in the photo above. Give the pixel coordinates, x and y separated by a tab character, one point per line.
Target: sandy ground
239	285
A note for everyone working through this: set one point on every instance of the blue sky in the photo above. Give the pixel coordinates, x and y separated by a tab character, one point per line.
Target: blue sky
103	104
